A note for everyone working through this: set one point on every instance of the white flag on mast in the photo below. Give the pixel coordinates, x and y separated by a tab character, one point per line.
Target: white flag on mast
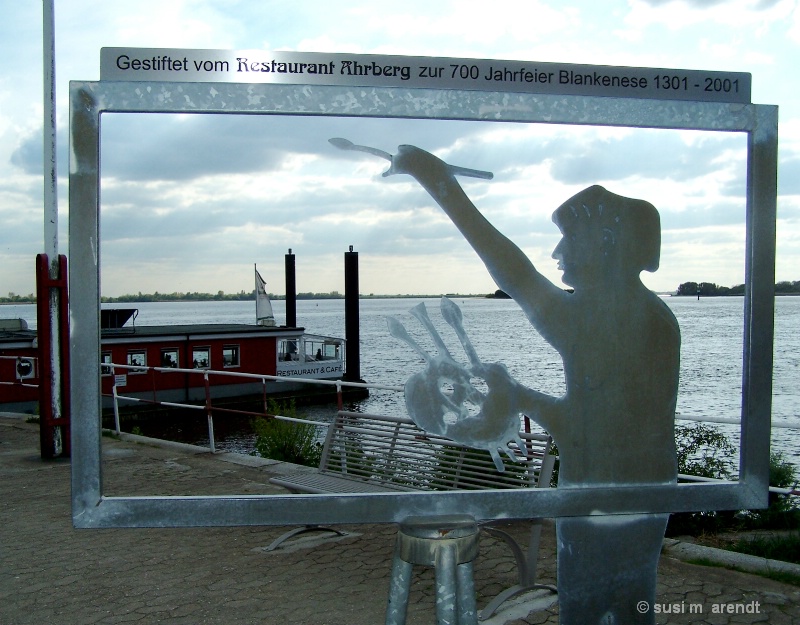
264	316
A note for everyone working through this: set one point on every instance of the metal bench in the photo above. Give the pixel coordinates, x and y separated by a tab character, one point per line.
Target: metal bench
367	453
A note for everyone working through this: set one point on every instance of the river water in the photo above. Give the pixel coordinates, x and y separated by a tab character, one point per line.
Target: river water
711	350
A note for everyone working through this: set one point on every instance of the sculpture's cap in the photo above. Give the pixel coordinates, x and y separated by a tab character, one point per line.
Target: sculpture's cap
634	224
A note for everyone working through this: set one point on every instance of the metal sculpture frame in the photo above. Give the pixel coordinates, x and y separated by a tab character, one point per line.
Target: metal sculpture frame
89	100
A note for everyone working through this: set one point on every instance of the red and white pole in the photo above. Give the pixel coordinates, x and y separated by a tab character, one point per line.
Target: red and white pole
54	435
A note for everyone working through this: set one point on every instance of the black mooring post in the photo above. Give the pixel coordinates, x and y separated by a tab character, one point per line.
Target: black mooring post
352	328
291	291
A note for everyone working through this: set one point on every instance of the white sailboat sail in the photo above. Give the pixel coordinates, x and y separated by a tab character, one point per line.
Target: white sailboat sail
264	316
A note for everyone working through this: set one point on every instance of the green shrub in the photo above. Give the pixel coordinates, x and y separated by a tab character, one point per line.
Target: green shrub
782	473
556	466
704	451
784	510
287	441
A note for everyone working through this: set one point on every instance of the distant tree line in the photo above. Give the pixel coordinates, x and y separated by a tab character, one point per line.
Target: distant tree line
244	296
709	289
13	298
194	296
704	289
197	296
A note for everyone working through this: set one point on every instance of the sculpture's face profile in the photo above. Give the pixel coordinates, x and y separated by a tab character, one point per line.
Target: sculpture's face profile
580	256
606	238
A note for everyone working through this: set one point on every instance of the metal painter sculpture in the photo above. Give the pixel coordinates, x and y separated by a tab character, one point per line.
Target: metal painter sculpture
460	412
621	347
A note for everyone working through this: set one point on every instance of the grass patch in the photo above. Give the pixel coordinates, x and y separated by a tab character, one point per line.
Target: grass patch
781	547
777	576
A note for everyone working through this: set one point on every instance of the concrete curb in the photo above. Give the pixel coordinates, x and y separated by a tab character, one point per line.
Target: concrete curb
277	467
158	442
742	561
20	416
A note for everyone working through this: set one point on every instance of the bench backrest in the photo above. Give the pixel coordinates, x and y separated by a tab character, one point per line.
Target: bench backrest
394	452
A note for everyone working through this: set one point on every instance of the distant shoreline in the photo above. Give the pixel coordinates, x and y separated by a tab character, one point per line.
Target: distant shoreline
208	297
135	299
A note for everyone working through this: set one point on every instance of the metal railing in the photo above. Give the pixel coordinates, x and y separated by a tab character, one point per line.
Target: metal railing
733	421
208	406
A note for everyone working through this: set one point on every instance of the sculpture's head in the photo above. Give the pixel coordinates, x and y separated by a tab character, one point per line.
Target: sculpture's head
602	230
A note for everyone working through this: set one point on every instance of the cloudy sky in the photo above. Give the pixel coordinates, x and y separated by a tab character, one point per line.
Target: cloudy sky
190	203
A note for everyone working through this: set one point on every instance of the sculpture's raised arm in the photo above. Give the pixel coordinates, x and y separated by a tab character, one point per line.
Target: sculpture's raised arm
511	269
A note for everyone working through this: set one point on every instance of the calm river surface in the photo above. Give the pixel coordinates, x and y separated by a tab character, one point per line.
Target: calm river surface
711	352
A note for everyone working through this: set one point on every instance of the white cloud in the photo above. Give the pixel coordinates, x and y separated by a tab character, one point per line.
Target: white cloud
754	15
205	197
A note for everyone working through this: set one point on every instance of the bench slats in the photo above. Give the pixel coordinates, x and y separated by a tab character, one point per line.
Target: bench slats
376	453
322	483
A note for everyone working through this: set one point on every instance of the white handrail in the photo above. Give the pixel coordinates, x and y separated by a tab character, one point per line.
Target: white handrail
698	478
733	421
112	367
337	383
257	376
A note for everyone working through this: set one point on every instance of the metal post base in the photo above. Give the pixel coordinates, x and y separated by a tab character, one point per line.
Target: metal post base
301	530
450	544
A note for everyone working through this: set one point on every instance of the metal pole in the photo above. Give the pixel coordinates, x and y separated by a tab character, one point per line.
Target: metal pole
291	290
352	322
209	413
52	359
115	394
50	174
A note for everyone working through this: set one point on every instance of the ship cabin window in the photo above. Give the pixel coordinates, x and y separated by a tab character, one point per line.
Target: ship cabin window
287	350
322	350
230	356
137	358
169	358
105	363
201	358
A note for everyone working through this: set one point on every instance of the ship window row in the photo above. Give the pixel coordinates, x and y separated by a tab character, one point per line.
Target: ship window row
309	350
170	358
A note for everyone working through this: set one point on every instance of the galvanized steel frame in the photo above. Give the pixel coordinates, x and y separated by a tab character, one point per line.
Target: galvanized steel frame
89	100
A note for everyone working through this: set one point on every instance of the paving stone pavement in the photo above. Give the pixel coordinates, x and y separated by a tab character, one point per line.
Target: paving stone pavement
51	573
